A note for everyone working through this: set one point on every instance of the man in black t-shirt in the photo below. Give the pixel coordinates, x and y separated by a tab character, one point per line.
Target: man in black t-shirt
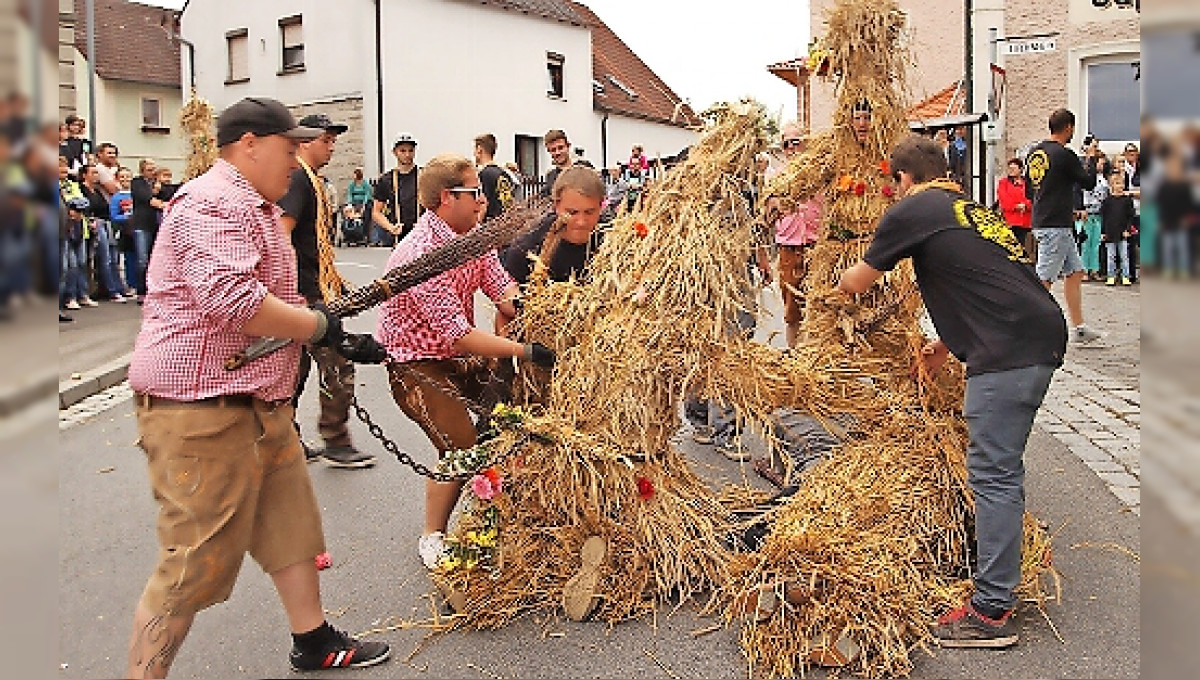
1053	175
395	210
994	314
497	184
559	148
306	213
578	198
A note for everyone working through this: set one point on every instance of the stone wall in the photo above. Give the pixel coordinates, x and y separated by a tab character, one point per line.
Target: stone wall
1038	83
350	152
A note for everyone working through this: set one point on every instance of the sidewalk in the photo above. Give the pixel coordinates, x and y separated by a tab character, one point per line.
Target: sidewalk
93	351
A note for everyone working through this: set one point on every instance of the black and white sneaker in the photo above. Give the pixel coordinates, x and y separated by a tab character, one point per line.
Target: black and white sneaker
344	652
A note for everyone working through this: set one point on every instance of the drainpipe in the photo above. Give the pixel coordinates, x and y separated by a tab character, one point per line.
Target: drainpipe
604	142
90	13
379	84
969	94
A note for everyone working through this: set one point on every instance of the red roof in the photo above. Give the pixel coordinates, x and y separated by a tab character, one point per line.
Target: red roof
793	70
624	84
133	41
550	9
949	101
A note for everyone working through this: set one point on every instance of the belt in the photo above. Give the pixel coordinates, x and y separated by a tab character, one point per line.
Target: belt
802	246
222	401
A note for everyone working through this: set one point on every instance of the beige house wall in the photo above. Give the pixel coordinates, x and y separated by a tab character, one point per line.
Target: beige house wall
937	44
1040	83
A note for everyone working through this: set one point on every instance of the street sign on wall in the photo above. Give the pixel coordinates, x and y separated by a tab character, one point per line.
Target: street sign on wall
1029	46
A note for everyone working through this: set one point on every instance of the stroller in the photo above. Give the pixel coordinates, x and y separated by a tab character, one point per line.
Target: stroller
354	228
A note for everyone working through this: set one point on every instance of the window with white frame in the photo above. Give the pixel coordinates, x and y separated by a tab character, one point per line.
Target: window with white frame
237	54
291	33
554	70
1114	103
151	113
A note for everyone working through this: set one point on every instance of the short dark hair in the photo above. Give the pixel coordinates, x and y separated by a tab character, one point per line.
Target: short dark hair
487	142
1020	163
555	135
1060	120
107	145
72	118
920	157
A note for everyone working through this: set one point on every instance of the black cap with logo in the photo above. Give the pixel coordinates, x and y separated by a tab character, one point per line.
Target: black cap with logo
321	121
261	117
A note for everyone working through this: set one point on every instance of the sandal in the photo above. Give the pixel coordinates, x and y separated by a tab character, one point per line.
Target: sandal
767	471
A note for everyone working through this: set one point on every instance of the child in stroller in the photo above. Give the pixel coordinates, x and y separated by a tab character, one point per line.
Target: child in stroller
353	231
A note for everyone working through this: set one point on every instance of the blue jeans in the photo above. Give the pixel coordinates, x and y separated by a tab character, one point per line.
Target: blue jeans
380	236
107	272
74	281
143	241
999	409
1120	249
1176	254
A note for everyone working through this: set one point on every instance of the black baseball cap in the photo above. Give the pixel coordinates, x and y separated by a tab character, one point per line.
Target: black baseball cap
323	122
261	117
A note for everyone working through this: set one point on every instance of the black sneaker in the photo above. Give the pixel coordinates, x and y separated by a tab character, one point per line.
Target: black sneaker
347	457
346	652
965	628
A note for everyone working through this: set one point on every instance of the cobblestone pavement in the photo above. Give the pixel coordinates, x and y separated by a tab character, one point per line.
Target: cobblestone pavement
94	405
1094	403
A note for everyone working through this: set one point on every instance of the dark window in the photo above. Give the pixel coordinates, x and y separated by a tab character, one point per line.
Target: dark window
1114	100
554	69
291	33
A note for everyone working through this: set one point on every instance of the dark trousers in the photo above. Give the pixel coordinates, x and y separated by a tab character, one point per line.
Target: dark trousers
335	392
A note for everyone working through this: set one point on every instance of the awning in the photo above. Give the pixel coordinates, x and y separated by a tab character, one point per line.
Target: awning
947	121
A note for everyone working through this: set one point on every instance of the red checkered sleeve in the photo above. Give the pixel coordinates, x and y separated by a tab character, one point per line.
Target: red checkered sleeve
221	266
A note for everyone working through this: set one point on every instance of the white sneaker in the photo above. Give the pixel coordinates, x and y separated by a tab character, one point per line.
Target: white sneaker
88	302
71	304
119	298
1082	335
431	547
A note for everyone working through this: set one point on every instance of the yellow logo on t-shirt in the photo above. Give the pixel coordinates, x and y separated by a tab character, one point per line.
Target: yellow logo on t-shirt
1038	164
991	226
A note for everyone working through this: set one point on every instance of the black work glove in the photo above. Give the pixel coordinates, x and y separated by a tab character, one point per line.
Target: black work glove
362	348
333	333
540	355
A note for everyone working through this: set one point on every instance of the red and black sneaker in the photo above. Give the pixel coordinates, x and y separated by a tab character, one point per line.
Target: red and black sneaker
966	628
343	652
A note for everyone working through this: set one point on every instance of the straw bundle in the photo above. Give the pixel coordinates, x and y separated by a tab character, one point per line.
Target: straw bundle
196	120
652	326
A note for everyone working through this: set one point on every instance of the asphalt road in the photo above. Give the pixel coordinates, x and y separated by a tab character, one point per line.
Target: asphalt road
372	520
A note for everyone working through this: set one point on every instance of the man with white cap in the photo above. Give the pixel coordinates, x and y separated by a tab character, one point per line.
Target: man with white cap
395	210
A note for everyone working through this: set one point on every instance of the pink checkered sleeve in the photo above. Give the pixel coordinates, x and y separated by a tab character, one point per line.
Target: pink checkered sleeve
496	280
437	303
220	266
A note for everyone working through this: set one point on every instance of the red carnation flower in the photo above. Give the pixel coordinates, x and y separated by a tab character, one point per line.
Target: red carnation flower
860	188
888	190
641	229
645	488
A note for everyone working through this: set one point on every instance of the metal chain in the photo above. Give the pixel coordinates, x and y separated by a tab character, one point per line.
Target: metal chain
391	446
400	454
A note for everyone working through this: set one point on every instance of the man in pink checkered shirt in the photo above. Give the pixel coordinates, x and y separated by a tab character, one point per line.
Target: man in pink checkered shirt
224	461
440	363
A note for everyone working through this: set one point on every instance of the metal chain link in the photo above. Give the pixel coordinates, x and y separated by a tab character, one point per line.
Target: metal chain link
391	446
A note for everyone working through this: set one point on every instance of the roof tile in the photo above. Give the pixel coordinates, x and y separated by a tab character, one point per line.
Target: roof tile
133	41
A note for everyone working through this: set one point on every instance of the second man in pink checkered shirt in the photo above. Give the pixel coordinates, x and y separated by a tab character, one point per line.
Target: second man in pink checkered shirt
441	364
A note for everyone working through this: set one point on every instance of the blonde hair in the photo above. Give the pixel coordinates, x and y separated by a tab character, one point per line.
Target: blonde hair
579	178
444	171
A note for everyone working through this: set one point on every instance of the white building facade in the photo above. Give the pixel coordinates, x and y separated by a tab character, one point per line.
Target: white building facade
447	70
